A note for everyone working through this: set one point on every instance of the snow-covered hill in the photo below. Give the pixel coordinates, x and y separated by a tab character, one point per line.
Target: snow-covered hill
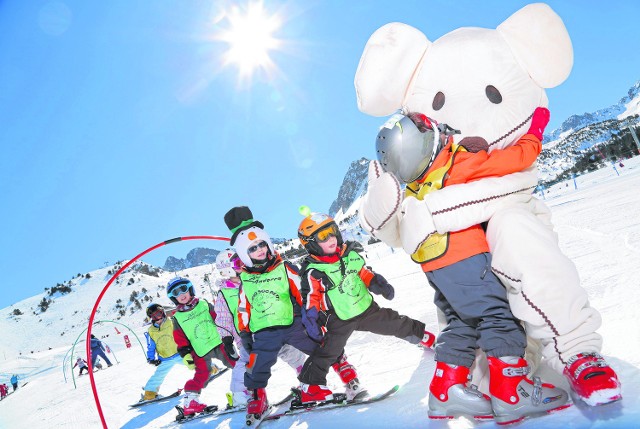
597	227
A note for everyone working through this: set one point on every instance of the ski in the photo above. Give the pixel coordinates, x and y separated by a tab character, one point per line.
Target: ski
156	400
339	402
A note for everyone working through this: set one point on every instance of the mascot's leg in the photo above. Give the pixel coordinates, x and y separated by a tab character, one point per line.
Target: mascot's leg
545	293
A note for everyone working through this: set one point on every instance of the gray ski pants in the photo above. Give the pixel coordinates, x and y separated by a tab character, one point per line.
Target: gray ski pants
477	312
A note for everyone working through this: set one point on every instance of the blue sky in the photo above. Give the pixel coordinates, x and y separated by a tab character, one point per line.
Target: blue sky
122	127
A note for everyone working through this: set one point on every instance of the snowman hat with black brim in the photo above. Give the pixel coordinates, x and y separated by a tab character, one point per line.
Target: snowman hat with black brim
239	219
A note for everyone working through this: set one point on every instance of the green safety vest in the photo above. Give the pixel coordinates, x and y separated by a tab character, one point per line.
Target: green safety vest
231	298
270	299
348	294
199	328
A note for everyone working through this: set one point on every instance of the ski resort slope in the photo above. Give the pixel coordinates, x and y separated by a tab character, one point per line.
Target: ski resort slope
599	228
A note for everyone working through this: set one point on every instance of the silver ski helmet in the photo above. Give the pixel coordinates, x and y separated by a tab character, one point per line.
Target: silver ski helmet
403	149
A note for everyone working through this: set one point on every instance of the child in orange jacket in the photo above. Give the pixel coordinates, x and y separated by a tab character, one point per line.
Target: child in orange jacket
458	267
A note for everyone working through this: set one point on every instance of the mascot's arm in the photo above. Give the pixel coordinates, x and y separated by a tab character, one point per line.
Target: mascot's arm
458	207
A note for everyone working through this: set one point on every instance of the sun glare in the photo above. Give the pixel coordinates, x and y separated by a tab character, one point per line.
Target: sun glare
250	39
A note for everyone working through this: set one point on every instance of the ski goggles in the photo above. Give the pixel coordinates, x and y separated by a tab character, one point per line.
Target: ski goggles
158	314
179	290
326	233
255	248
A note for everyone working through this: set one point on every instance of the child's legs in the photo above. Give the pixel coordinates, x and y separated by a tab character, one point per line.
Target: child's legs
385	321
154	383
474	297
237	373
202	372
292	356
317	366
266	345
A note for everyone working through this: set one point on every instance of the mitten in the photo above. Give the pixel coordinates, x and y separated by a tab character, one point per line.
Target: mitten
382	201
155	362
247	340
229	348
416	224
188	361
380	286
310	322
539	122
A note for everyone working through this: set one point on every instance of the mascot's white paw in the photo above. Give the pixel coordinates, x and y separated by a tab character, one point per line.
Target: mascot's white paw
416	224
382	201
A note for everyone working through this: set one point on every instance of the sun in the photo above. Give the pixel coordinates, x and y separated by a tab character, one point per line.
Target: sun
250	38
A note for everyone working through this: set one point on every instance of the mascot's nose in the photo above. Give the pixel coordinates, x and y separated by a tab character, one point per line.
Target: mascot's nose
474	144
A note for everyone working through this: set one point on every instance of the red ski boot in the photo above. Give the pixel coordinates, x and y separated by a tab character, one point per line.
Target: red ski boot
349	377
515	397
450	397
592	379
258	406
191	404
314	393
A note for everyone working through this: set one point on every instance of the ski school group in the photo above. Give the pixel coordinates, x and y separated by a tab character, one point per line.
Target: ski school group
453	187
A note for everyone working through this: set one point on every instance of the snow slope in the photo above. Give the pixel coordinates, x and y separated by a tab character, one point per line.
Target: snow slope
599	228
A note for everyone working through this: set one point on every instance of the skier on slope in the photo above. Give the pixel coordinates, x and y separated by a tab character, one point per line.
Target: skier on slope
197	340
337	292
97	349
162	351
82	364
230	266
269	312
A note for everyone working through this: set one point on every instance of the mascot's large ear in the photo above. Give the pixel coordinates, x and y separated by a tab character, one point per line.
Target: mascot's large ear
539	40
389	61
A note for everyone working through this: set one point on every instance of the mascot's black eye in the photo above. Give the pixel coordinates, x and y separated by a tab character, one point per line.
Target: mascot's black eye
493	94
438	101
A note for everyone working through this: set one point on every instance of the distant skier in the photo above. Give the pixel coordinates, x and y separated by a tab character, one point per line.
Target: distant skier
4	390
82	364
97	349
162	350
14	381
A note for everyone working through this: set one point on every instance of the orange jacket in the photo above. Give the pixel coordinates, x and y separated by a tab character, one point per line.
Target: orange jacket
468	167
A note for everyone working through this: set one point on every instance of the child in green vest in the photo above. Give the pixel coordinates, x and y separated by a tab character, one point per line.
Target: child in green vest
198	341
336	290
230	266
269	308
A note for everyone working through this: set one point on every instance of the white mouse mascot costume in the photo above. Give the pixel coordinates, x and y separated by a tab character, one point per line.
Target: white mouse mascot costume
487	84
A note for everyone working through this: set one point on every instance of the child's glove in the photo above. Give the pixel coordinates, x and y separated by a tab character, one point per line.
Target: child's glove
380	286
188	361
227	342
539	122
155	362
247	340
310	322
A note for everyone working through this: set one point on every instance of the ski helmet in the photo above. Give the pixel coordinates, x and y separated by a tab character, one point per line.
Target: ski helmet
223	263
317	228
183	284
251	237
406	145
155	310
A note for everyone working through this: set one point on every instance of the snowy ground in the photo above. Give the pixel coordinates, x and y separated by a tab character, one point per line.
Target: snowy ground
599	228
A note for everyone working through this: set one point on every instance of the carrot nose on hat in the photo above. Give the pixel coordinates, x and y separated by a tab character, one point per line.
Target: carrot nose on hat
239	219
